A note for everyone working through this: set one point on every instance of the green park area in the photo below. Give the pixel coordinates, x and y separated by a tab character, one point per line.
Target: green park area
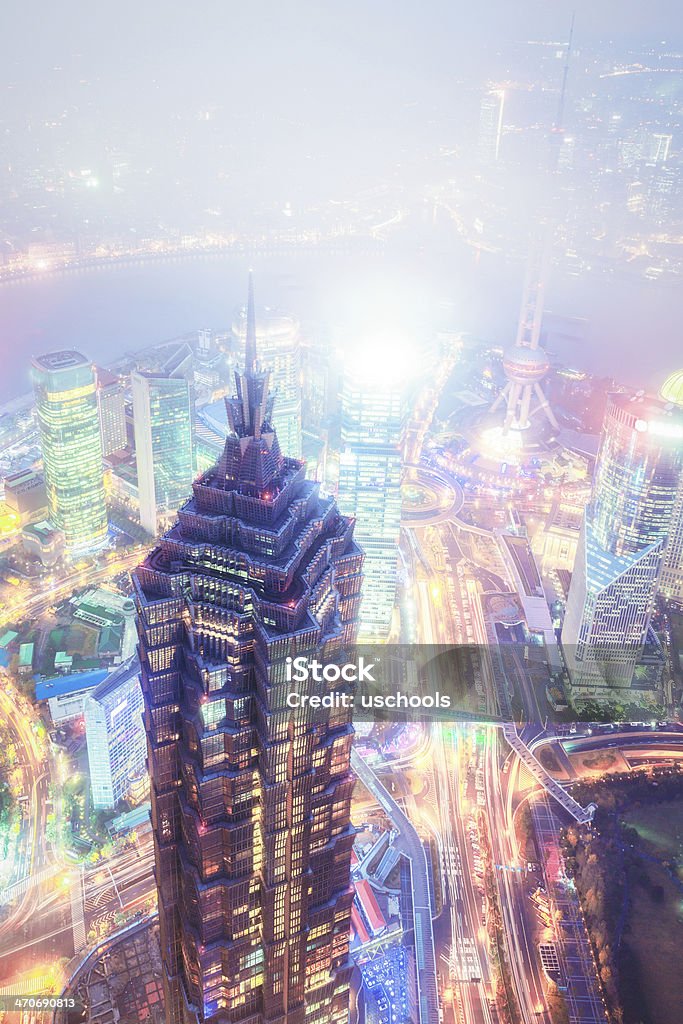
654	934
660	828
628	870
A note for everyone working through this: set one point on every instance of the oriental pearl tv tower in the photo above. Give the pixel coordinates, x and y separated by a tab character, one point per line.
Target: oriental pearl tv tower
525	364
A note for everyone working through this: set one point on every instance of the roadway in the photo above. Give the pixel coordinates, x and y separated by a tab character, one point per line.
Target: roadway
409	843
49	905
450	610
34	858
523	958
470	970
450	499
583	996
446	614
27	600
91	901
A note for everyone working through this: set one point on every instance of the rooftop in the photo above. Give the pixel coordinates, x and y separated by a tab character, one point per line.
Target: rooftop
43	530
7	637
123	673
24	476
672	388
130	819
215	416
90	609
646	408
25	655
55	361
110	640
105	378
75	683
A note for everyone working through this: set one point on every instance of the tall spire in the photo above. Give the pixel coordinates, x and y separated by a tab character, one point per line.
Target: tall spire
250	344
251	459
559	121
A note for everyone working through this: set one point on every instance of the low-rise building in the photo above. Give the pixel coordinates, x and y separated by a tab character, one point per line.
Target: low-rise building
26	496
65	695
43	541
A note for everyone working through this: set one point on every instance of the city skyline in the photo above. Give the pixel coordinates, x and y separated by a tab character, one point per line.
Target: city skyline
341	628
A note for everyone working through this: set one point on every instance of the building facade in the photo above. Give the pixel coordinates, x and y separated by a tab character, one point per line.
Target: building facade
66	406
250	800
25	494
671	580
163	425
373	416
111	404
621	546
115	735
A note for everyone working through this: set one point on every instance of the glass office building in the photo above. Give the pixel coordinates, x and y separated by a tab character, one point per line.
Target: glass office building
637	473
66	405
370	473
111	401
115	735
163	426
622	543
671	580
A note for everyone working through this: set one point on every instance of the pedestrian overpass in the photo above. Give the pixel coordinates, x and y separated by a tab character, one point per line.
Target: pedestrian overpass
582	815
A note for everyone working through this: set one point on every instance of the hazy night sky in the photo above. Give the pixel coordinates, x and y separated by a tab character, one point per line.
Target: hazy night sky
289	52
305	102
342	81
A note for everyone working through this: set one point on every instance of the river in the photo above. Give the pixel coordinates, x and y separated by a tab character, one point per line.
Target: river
635	325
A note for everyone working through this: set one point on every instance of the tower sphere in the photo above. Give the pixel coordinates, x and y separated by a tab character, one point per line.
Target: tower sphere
525	365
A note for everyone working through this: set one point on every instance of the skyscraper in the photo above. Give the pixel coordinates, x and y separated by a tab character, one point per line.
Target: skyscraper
491	125
370	472
658	147
162	422
250	800
115	734
279	347
671	580
111	404
66	405
622	542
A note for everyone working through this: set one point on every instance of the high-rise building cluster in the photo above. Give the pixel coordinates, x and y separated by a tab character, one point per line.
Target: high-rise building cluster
83	420
142	423
127	444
